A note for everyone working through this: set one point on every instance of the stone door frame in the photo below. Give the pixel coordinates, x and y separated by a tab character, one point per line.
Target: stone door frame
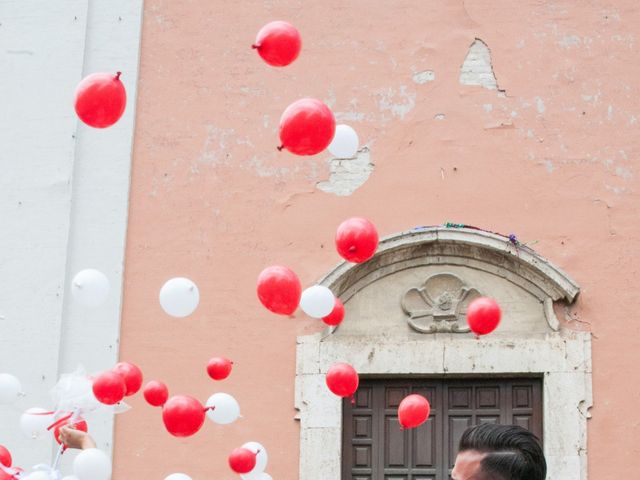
561	357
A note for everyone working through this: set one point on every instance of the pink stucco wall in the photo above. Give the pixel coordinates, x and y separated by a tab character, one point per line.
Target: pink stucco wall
552	160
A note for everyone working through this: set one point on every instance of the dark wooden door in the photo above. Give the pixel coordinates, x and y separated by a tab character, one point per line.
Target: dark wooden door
375	448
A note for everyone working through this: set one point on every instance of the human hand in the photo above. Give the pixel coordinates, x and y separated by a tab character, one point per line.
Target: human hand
73	438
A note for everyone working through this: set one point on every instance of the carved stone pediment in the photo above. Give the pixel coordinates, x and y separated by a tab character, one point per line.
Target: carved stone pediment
439	304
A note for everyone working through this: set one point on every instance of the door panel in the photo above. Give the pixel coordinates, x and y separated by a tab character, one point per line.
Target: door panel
376	448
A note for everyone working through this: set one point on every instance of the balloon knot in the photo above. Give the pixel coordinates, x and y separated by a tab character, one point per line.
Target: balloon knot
280	148
118	75
213	407
255	45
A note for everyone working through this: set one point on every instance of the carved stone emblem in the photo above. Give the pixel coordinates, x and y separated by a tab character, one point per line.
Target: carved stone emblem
439	305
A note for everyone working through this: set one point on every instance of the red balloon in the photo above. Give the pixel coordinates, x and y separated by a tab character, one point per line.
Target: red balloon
109	388
156	393
100	99
219	368
342	379
278	43
242	460
413	411
357	240
5	476
336	316
78	425
183	415
5	457
483	315
132	377
307	127
279	289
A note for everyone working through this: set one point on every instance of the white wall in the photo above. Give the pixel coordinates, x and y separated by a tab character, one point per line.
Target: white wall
63	198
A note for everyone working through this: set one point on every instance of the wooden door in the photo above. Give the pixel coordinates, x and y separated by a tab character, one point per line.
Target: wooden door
375	448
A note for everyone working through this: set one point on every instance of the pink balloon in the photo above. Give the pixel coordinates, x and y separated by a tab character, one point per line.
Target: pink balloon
413	411
100	99
342	379
307	127
336	316
183	415
279	289
109	388
483	315
278	43
356	240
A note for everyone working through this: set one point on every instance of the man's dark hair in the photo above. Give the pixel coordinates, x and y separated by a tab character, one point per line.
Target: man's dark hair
512	453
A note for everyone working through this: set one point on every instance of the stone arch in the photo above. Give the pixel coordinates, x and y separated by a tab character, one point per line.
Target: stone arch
405	317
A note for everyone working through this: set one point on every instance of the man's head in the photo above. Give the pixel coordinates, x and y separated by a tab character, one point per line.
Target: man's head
499	452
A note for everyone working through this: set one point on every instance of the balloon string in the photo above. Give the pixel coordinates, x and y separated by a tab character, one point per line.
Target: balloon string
41	413
60	421
58	455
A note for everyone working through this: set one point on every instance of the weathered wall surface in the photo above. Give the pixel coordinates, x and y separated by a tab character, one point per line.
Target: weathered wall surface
513	116
64	193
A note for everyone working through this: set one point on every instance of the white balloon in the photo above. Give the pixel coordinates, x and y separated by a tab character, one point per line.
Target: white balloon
70	477
39	475
10	388
227	408
34	424
90	287
317	301
177	476
345	142
265	476
92	464
261	461
179	297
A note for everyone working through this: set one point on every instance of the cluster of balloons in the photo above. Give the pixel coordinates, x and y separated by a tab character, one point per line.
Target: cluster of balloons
279	288
179	297
307	126
124	380
280	291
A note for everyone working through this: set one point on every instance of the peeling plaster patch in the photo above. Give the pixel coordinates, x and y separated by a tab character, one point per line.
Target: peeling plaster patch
477	68
540	105
263	170
424	77
439	116
349	116
610	112
399	103
633	120
548	164
347	175
331	98
265	121
624	173
570	41
514	114
214	144
520	44
487	107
